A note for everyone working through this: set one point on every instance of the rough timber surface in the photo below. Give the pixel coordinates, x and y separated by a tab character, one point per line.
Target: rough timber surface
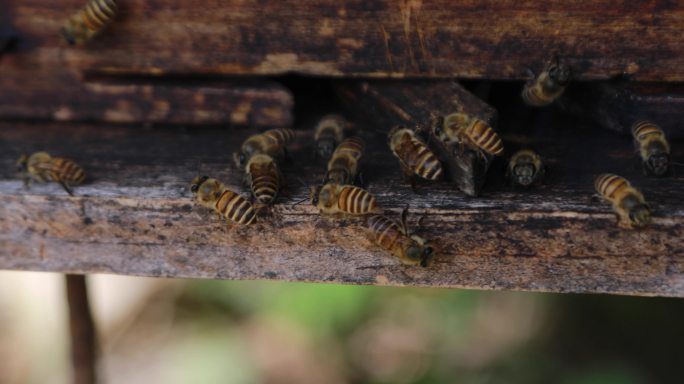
135	217
407	38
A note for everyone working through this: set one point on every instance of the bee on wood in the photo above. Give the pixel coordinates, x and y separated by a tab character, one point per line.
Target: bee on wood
461	128
525	168
343	166
653	147
414	155
396	238
628	203
42	167
548	86
263	178
89	21
213	194
346	199
329	133
271	142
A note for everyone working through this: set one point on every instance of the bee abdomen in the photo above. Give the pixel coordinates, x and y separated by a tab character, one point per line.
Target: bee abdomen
609	185
265	188
281	135
485	137
427	165
355	200
98	13
235	207
385	231
642	129
352	146
67	171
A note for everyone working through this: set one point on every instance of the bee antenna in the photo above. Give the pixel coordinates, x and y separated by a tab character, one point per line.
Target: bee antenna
299	202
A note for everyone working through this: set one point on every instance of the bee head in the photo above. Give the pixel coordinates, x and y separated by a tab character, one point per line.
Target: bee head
560	73
22	164
419	254
197	182
524	174
658	163
437	124
325	148
640	215
240	159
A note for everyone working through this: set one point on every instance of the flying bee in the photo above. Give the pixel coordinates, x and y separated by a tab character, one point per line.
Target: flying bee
343	166
414	155
213	194
347	199
42	167
89	21
329	133
469	130
653	147
264	178
525	168
628	203
396	238
271	142
548	85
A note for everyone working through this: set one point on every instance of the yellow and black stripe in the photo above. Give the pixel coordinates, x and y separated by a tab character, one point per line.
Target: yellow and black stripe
355	200
89	21
417	157
264	178
235	207
643	130
386	232
66	171
610	186
484	137
344	163
280	136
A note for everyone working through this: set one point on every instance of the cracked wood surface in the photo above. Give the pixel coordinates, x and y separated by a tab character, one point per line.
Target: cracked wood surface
413	38
134	216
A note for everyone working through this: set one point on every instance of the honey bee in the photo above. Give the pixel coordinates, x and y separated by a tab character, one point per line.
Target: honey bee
42	167
89	21
271	142
396	238
347	199
414	155
329	133
653	147
343	166
548	86
213	194
264	178
628	203
525	168
464	129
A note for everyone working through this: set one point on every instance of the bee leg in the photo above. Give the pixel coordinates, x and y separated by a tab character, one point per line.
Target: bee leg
66	188
27	182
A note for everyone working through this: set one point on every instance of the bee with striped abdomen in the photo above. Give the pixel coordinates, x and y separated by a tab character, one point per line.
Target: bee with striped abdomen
42	167
329	133
396	238
89	21
346	199
548	86
414	155
343	166
628	203
653	147
525	168
461	128
271	142
263	178
213	194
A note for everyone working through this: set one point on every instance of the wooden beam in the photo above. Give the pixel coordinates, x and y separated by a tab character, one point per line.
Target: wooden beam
135	217
58	94
436	38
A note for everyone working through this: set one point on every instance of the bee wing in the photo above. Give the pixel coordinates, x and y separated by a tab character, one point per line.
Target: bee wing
402	223
46	167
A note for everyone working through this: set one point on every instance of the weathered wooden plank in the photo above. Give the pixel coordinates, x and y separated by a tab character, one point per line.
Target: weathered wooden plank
438	38
135	217
618	105
58	94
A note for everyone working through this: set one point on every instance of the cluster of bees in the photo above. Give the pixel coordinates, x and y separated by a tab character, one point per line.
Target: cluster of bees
340	193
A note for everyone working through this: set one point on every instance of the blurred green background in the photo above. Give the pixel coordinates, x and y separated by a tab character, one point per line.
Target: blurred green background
182	331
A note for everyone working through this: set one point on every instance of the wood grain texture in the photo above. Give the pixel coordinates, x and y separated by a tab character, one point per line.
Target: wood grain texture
438	38
59	94
135	216
618	105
